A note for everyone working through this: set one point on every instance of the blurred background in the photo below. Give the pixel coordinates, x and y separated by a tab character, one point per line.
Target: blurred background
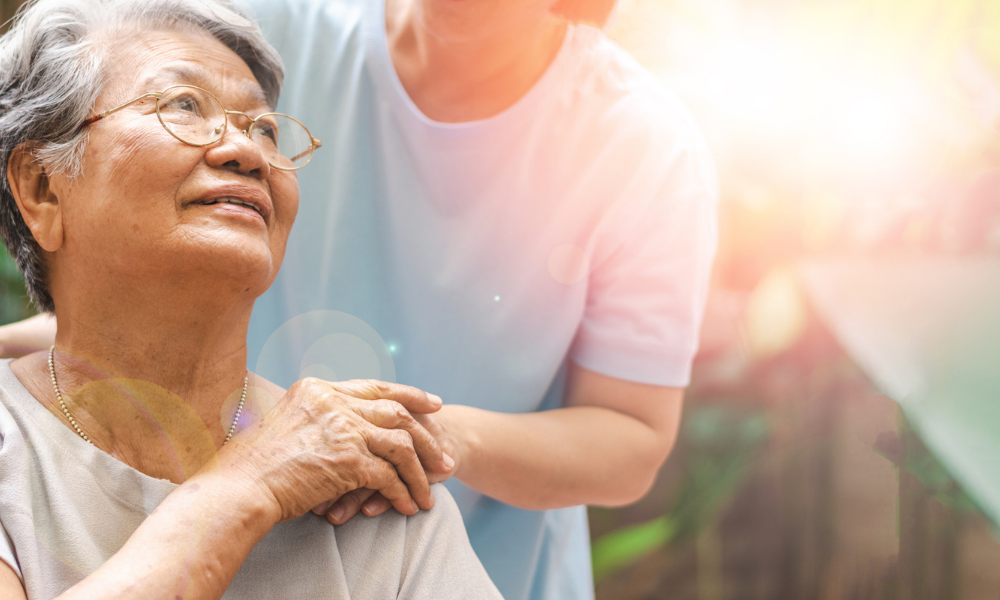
841	436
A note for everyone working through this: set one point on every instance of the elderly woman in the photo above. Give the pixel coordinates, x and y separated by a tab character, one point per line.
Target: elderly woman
148	194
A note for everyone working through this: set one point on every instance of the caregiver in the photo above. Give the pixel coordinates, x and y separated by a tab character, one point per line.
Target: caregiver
527	218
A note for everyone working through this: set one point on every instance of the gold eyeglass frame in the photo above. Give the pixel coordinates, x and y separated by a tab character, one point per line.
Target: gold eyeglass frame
313	145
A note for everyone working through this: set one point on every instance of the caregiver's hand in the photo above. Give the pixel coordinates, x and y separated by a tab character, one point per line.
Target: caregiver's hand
322	440
396	406
372	503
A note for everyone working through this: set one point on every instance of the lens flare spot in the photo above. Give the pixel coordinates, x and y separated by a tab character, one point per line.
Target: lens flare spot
323	372
341	356
345	346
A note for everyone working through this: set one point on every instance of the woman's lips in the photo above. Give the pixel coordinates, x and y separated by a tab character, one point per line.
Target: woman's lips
232	200
242	196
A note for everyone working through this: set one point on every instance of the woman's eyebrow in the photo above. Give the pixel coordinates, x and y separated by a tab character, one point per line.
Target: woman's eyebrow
179	73
253	95
182	73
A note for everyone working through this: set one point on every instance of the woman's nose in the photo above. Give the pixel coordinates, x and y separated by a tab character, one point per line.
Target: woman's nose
236	151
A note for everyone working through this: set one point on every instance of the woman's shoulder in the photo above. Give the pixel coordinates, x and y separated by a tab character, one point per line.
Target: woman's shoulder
430	551
413	531
39	452
22	416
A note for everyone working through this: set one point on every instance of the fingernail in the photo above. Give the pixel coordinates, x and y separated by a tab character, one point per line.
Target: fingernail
370	507
448	461
433	500
435	399
337	513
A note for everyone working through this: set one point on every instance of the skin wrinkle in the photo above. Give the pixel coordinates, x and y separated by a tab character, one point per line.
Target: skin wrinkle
110	42
171	74
126	146
183	72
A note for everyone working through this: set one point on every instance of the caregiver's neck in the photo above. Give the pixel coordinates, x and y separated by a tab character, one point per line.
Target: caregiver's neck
466	61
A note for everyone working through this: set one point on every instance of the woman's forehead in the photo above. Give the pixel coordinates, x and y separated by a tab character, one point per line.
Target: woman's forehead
222	83
155	60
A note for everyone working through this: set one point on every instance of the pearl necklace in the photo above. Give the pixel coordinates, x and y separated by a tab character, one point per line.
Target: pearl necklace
72	421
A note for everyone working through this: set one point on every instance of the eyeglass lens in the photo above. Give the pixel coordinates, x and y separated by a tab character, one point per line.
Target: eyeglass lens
284	140
196	117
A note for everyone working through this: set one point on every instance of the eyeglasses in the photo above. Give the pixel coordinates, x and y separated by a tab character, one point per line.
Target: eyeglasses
197	118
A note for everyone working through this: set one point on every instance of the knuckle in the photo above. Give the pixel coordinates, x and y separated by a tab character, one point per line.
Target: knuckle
399	411
384	388
385	474
311	389
403	438
306	383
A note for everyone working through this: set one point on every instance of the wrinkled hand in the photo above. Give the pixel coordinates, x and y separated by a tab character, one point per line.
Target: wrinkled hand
323	440
371	502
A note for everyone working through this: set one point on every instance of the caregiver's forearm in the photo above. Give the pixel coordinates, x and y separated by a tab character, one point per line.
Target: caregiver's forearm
30	335
190	547
564	457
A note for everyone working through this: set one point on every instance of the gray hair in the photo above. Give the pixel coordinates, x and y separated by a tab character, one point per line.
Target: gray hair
52	72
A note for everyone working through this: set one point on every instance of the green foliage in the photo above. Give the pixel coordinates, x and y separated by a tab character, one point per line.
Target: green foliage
718	445
721	445
14	303
625	546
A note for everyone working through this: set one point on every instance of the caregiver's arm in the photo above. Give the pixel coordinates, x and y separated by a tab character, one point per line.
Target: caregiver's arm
30	335
605	447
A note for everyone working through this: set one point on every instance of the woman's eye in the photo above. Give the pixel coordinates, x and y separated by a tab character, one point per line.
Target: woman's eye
185	103
268	130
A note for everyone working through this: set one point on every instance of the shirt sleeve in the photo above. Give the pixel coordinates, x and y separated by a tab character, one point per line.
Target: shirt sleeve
647	289
438	562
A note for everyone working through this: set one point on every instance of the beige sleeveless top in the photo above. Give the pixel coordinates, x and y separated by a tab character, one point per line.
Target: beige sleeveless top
66	507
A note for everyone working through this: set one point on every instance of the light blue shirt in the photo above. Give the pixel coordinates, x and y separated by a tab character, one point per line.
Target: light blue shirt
473	260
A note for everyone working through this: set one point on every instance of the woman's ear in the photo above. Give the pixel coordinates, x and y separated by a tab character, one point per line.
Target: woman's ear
35	198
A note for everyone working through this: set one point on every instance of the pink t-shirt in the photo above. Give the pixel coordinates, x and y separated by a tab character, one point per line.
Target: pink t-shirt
474	259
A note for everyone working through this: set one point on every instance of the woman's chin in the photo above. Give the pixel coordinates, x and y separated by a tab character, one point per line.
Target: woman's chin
242	263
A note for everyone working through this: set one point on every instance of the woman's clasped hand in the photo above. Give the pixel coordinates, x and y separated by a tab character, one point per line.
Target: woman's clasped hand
324	440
